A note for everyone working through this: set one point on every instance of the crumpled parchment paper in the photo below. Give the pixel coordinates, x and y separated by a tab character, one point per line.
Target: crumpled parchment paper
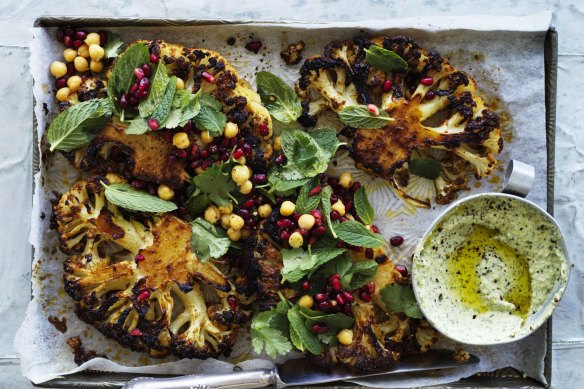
505	56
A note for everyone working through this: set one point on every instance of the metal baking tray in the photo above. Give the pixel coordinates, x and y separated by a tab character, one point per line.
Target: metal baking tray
507	377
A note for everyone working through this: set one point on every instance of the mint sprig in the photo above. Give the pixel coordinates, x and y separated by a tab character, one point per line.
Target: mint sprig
125	196
401	298
279	98
358	116
356	234
363	206
384	59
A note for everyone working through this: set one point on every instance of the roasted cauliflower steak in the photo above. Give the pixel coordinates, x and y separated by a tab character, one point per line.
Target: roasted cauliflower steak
433	105
136	279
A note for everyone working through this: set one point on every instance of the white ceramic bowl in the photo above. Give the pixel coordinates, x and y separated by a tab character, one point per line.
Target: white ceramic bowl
450	307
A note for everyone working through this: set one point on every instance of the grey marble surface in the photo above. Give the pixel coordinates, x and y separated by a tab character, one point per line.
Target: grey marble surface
16	19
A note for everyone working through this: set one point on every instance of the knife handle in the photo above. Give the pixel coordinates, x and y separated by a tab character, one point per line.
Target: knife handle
236	380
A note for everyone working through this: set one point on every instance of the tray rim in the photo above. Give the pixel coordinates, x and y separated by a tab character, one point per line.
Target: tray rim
507	377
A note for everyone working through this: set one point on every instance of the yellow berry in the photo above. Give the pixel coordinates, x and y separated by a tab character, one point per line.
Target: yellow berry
296	240
96	52
287	208
81	64
346	180
225	221
306	221
92	38
240	174
278	143
96	66
236	222
181	140
234	235
74	82
226	209
265	210
345	337
230	130
63	94
165	192
58	69
306	301
339	207
245	233
212	214
246	187
205	137
69	55
83	51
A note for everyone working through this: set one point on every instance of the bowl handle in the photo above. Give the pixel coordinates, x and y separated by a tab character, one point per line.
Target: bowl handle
519	178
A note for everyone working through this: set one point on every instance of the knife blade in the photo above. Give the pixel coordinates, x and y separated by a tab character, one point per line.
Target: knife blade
297	372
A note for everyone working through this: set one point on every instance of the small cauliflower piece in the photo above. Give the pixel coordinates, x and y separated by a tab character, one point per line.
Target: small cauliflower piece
293	53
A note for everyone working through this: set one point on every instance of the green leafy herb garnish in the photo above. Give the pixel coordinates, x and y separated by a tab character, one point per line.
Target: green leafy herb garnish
211	120
326	194
302	338
356	234
211	186
363	206
425	167
208	241
162	110
160	81
113	45
122	76
384	59
401	298
359	117
299	263
77	126
137	126
306	203
270	330
327	140
304	154
279	98
353	274
125	196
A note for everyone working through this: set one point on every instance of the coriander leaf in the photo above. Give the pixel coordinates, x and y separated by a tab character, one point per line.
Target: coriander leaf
425	167
279	98
301	337
279	184
122	76
327	140
362	273
211	120
329	340
77	126
363	206
359	117
215	184
207	241
125	196
384	59
137	126
157	91
401	298
198	202
164	106
303	153
113	45
292	260
306	203
355	234
272	340
326	194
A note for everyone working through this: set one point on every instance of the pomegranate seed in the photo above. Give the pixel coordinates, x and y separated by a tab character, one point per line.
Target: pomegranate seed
348	205
136	332
375	229
244	213
133	88
204	153
146	69
335	276
152	189
396	240
247	150
61	82
237	154
348	310
386	86
355	186
334	198
284	223
102	37
70	69
402	270
369	253
208	77
60	34
427	81
86	75
372	108
232	301
144	295
139	73
81	35
123	102
349	297
341	245
153	124
296	216
381	259
248	204
144	84
305	285
264	130
325	305
70	32
336	285
139	258
77	43
320	297
153	58
340	299
371	287
213	149
280	159
357	249
365	297
302	231
180	153
285	235
318	231
316	214
335	215
138	184
196	164
254	46
68	41
167	136
314	191
259	178
429	95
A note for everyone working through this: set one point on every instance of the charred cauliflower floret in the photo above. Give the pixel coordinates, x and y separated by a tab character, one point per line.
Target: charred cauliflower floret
137	281
293	53
433	106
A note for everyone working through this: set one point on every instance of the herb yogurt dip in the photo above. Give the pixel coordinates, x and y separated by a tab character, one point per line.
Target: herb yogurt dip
490	270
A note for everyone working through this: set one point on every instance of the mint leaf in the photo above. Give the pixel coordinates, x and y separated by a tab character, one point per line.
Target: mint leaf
173	119
305	203
363	206
164	106
208	100
362	272
326	194
425	167
113	45
190	107
137	126
359	117
304	154
211	120
125	196
401	298
335	322
324	255
301	336
208	241
77	126
160	81
122	76
215	184
299	263
327	140
355	234
280	184
279	98
385	60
